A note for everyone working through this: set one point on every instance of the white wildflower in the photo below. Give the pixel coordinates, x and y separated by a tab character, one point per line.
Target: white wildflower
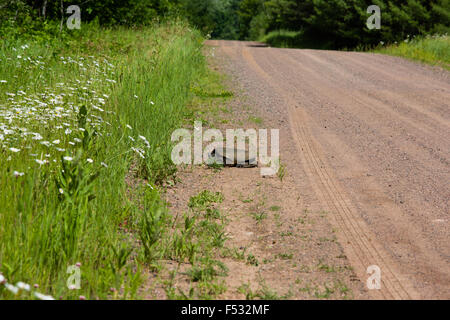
139	152
68	158
145	141
97	108
89	160
12	288
104	164
41	162
23	286
14	150
17	174
61	190
42	296
37	136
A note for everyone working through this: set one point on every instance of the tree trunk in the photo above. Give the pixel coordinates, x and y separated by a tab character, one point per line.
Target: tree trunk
62	16
44	9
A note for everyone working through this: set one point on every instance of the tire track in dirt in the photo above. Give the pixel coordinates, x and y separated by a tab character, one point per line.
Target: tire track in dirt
365	251
404	99
376	146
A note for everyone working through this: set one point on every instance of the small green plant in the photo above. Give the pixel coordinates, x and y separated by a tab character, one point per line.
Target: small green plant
285	256
246	290
237	253
325	294
259	216
265	293
256	120
281	172
286	234
204	200
207	270
251	259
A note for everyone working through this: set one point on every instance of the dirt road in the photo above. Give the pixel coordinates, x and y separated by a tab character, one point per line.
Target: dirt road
372	137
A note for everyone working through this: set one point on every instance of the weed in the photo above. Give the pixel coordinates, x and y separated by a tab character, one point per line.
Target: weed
204	200
251	259
255	120
285	256
259	216
281	172
286	234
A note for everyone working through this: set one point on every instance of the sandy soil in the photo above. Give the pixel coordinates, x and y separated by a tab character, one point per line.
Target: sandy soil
365	138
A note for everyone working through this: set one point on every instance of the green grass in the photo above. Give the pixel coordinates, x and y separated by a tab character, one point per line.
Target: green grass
294	39
199	241
76	119
434	50
283	39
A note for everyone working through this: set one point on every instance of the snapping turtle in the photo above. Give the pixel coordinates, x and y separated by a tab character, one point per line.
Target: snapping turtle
223	156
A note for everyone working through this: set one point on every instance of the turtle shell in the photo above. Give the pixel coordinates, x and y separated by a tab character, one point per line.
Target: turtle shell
224	155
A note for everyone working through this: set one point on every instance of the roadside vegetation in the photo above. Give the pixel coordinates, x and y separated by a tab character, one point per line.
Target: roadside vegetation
85	125
434	50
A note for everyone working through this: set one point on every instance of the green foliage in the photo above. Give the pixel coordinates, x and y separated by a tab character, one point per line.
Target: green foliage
318	23
204	200
83	111
433	50
283	39
342	24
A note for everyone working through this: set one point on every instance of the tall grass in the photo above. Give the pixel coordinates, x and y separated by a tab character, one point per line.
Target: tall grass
283	39
74	119
294	39
434	50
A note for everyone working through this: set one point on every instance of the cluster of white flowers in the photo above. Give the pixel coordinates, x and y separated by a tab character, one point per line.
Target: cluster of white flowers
47	122
21	286
44	126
